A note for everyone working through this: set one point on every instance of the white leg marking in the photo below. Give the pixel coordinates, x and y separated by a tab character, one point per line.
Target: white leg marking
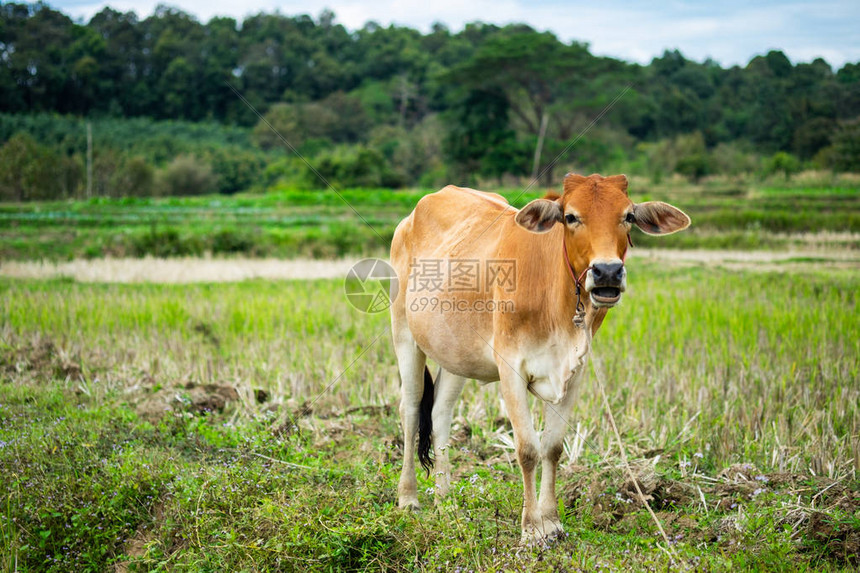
552	446
515	395
410	361
448	389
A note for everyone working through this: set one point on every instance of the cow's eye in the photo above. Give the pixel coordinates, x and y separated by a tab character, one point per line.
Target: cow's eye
570	218
630	218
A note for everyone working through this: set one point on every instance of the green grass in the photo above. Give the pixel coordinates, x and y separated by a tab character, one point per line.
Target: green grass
324	224
709	373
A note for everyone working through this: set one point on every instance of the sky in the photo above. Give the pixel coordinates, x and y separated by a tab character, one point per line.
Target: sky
730	32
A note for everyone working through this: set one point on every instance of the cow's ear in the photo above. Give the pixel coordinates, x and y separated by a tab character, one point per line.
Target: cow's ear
658	218
539	216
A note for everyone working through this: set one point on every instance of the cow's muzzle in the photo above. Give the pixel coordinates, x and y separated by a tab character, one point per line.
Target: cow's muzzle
605	282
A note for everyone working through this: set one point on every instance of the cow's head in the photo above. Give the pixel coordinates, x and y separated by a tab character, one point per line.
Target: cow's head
597	216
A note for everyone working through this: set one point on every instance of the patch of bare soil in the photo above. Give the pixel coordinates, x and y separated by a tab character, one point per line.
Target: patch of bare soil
136	546
39	357
840	541
816	514
347	432
153	403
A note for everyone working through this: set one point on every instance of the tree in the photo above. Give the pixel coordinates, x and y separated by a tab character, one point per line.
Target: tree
36	41
846	146
506	100
339	118
480	140
813	136
32	171
533	70
187	175
135	178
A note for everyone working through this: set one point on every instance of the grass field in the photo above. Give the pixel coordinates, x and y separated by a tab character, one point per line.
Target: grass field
325	225
253	426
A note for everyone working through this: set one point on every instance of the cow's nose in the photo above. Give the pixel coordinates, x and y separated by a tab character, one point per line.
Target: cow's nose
607	274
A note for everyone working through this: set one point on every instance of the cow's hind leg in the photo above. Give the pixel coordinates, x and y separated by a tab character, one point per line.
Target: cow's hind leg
448	389
411	362
556	423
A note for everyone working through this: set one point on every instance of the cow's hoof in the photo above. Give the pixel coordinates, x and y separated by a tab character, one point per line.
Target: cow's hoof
535	536
532	536
553	529
409	504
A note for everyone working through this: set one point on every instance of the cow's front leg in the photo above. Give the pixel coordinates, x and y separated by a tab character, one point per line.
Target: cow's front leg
556	423
515	394
448	389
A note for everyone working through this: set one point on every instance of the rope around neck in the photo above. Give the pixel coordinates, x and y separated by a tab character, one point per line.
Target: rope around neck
579	315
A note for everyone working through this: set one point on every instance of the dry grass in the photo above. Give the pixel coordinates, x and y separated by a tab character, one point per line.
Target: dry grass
719	380
739	366
211	270
177	270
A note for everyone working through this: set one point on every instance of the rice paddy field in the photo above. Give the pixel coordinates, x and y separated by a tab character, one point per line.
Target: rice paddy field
289	224
252	425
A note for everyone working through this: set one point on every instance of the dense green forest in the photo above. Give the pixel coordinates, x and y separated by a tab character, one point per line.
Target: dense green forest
176	106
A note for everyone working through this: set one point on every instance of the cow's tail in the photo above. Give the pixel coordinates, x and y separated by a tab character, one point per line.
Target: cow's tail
425	423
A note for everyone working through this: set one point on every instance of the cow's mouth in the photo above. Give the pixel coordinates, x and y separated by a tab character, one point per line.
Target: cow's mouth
605	296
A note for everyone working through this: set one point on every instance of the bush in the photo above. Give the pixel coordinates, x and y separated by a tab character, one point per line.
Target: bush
693	167
32	171
339	118
288	172
134	178
691	156
232	241
781	163
117	176
165	243
734	159
352	166
187	175
235	169
411	153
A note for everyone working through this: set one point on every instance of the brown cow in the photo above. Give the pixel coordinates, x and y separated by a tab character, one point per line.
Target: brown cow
517	327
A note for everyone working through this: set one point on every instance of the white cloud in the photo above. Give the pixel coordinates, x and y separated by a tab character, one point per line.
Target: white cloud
731	32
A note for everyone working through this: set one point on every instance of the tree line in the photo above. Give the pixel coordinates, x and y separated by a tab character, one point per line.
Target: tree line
388	106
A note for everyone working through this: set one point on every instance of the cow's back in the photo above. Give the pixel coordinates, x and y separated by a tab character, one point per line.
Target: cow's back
453	222
450	229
